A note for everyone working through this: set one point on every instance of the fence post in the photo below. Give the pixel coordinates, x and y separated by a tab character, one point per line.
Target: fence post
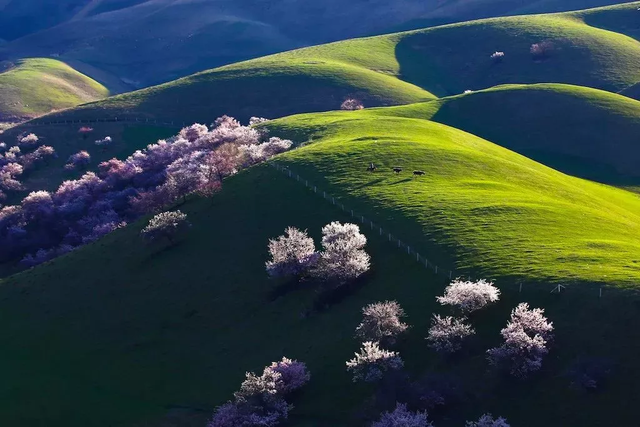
417	257
450	272
600	291
520	287
436	269
409	250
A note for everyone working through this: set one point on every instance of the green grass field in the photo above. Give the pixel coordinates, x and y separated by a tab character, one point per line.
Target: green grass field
580	131
120	333
497	212
38	86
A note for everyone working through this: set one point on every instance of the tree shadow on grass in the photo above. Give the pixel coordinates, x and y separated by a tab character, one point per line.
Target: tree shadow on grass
286	287
157	251
401	181
332	294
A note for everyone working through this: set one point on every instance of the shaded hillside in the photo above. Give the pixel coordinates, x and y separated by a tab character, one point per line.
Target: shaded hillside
154	41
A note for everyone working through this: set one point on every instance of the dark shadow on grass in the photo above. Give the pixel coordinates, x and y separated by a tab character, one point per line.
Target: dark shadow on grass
332	294
369	184
285	287
401	181
158	250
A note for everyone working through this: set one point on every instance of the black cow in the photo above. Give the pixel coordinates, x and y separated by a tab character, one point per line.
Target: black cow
397	169
418	173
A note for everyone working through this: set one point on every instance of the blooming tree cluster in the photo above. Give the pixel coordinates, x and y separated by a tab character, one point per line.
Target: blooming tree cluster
497	56
469	296
448	333
373	362
148	181
487	420
381	322
351	104
292	254
165	225
542	50
107	140
402	417
18	160
261	398
525	342
343	257
79	160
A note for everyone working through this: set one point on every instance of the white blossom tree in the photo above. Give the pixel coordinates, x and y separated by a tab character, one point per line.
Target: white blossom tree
166	225
447	333
381	322
487	420
525	342
351	104
402	417
372	362
343	257
469	296
292	254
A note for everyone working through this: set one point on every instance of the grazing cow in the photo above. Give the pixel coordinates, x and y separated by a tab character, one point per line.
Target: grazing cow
371	167
397	169
418	173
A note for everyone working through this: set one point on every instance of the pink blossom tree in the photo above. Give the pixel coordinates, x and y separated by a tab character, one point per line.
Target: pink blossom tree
469	296
402	417
351	104
79	160
373	362
448	333
292	254
28	141
293	375
381	322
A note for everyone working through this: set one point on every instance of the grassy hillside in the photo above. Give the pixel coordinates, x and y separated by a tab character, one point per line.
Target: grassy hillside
33	87
391	69
622	18
497	212
119	333
584	132
148	42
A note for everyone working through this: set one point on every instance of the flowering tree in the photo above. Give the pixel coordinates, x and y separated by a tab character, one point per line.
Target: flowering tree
542	50
28	141
343	258
260	400
166	225
402	417
78	161
351	104
497	56
107	140
447	334
293	375
525	342
487	420
291	254
147	181
372	362
469	296
85	131
381	322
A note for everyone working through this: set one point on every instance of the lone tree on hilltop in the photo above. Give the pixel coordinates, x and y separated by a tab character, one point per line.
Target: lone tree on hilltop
166	225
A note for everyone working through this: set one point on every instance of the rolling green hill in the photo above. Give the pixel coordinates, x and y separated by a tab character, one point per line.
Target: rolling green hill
391	69
33	87
119	333
581	131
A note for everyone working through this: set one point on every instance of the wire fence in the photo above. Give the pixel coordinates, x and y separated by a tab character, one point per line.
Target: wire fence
440	271
366	222
137	120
